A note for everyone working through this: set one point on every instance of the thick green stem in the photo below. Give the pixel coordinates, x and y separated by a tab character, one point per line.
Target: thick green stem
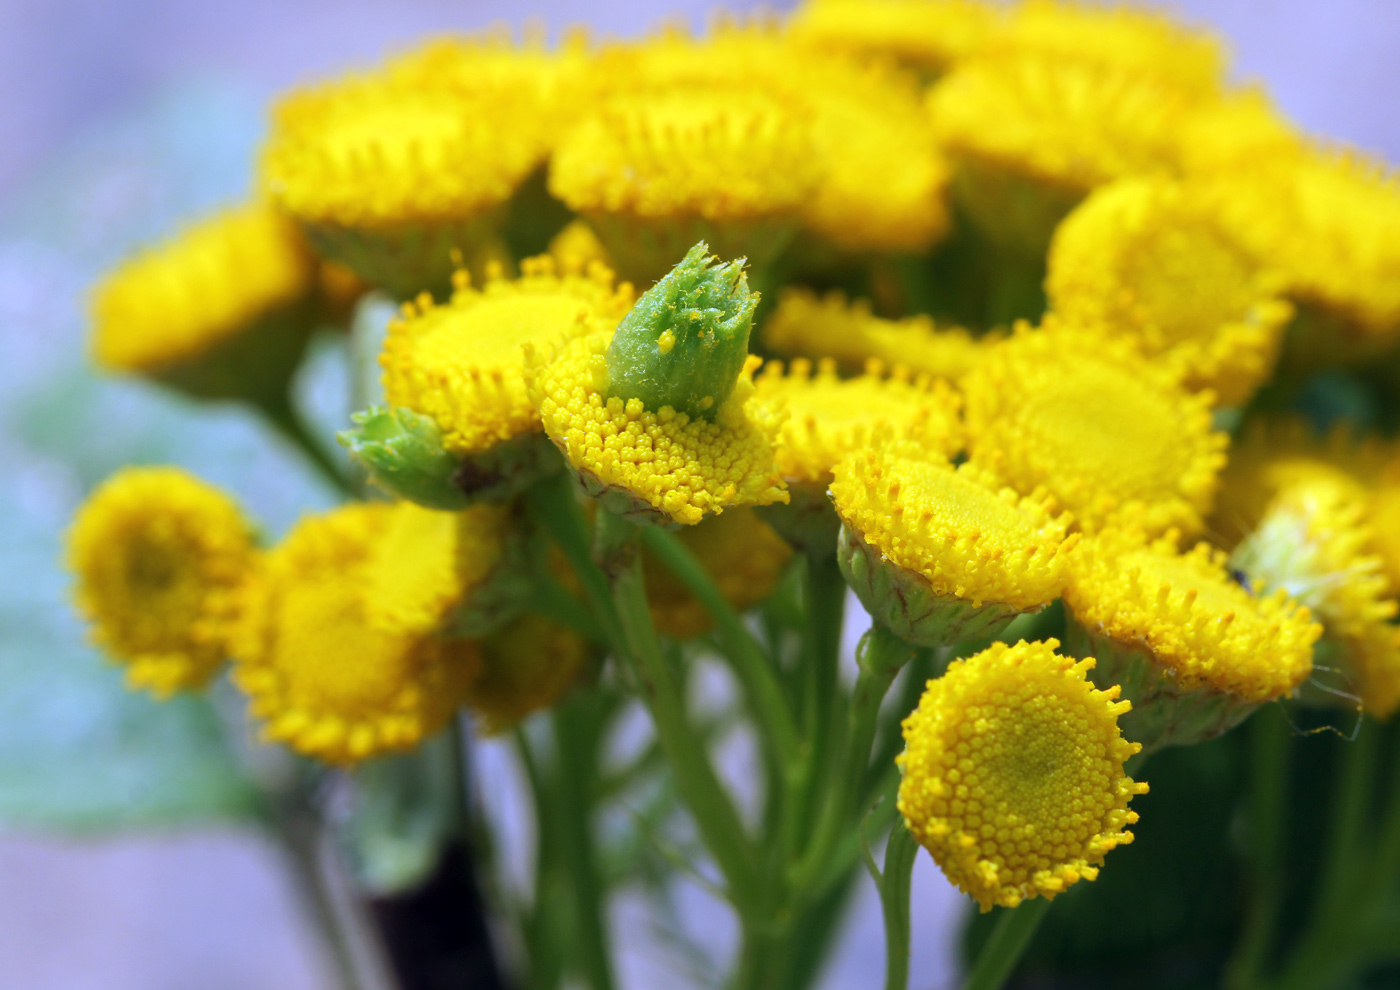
1009	939
751	665
1268	808
895	883
575	748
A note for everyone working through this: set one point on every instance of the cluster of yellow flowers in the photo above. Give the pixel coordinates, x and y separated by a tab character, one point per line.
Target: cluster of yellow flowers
514	198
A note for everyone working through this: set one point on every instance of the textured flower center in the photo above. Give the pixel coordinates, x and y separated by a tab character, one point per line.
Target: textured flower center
1189	281
492	332
394	134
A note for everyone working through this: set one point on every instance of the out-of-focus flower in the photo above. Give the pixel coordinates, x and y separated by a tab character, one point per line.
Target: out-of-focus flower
223	310
1195	650
1013	773
1106	432
159	557
805	325
321	673
1152	259
526	666
940	554
924	34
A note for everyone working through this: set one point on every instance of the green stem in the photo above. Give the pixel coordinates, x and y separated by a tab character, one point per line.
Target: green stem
1009	939
895	883
540	925
751	665
281	415
1387	862
575	748
1268	813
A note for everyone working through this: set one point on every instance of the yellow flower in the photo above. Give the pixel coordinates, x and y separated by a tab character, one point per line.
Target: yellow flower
1315	543
1121	37
1062	128
937	553
806	325
527	666
1013	773
1195	649
322	677
655	172
389	175
159	557
924	34
742	555
1236	130
1106	432
429	564
830	417
1153	259
576	248
240	277
463	363
661	465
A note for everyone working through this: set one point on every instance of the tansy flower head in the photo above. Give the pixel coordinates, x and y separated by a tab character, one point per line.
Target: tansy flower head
1105	431
609	402
1152	258
1063	128
321	675
924	34
741	553
576	248
810	326
1195	649
182	310
1013	773
528	665
655	172
938	553
463	362
1315	543
159	557
1234	131
389	175
1121	37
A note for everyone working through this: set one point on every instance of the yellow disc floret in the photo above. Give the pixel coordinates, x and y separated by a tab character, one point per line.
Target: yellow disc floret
1013	773
1104	430
526	666
674	467
742	555
810	326
322	677
830	417
966	536
1192	616
463	363
217	280
924	34
1153	259
159	557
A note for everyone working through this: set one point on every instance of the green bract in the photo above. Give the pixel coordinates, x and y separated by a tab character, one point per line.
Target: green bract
403	453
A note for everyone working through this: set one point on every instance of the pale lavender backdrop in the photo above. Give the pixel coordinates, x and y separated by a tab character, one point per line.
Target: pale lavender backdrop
209	909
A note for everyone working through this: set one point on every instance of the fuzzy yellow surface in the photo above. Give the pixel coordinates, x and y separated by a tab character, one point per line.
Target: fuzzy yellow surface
958	528
576	248
717	155
1193	617
806	325
925	34
370	152
830	417
1151	259
1121	37
427	562
463	362
1013	773
1239	128
215	280
682	468
1315	542
158	558
1067	124
742	555
319	675
1108	433
528	665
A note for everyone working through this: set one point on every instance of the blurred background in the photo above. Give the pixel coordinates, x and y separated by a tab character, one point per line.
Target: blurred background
126	850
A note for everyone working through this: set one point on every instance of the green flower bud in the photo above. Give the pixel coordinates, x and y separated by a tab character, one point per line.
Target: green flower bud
684	343
403	453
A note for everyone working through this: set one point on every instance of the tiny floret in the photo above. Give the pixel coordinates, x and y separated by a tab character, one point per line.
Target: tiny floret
1013	773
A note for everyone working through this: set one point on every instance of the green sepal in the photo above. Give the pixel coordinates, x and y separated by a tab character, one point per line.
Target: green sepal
403	453
684	343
